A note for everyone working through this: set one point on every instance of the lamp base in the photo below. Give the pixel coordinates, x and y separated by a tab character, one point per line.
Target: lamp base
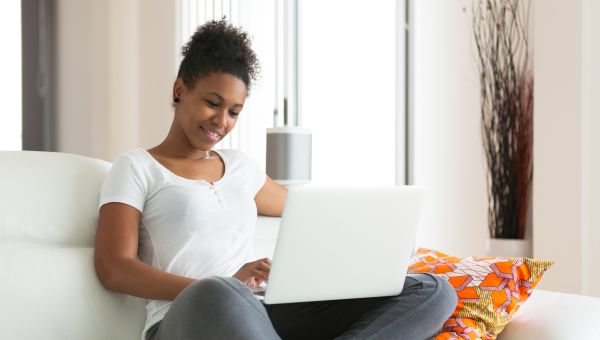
292	183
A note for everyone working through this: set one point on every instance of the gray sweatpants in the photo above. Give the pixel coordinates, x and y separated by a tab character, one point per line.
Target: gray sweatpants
224	308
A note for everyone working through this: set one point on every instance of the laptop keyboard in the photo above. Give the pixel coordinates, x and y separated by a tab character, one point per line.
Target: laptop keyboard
259	292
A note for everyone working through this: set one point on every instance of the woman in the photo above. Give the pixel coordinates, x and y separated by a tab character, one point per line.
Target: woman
189	212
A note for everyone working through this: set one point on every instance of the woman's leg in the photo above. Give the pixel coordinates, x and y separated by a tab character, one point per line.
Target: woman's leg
320	320
417	313
216	308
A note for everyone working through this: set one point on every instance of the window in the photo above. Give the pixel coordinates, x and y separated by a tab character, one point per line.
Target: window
349	90
10	82
349	83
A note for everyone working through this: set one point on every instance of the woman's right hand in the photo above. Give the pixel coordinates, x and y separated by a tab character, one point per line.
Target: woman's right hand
252	274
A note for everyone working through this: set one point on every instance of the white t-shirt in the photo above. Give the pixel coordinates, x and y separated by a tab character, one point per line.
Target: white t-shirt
191	228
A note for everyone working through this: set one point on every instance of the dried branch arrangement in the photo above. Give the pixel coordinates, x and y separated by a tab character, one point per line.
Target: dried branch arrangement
501	36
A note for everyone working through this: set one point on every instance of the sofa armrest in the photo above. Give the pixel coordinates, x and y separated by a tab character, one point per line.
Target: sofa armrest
553	316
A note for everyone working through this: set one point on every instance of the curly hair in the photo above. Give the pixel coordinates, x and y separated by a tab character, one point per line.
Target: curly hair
217	46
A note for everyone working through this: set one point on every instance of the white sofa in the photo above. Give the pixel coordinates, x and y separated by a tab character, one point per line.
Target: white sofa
49	290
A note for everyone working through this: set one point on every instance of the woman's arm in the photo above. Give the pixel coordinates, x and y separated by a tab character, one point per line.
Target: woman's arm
116	261
270	198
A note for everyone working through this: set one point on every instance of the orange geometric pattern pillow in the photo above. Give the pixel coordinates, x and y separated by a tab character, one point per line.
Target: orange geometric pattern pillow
489	289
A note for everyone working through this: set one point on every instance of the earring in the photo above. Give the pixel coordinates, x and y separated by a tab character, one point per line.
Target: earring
176	100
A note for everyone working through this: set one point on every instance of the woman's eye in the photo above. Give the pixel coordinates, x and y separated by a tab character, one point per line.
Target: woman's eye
233	114
212	104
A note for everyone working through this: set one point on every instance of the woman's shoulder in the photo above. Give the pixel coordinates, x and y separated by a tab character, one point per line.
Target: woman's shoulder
135	158
135	165
135	155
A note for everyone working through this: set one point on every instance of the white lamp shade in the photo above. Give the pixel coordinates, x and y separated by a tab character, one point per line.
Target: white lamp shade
289	154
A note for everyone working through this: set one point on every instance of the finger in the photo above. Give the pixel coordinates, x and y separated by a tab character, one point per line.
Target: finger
264	266
265	269
261	274
252	283
259	261
259	264
258	274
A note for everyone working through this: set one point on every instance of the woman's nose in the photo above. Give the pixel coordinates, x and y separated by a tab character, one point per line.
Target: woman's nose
220	118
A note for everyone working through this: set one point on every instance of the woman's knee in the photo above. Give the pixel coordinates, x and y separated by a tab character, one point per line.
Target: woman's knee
448	297
214	308
212	293
443	295
214	298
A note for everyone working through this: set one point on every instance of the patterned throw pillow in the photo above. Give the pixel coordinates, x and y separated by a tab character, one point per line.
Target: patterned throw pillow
489	289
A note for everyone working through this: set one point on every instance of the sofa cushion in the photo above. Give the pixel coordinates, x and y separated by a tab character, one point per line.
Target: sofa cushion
53	293
49	197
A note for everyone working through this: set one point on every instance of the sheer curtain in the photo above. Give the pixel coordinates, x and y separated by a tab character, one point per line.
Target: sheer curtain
10	82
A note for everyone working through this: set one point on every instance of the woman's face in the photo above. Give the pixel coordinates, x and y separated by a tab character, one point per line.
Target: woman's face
209	110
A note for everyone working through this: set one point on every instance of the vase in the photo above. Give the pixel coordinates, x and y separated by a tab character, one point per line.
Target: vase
509	247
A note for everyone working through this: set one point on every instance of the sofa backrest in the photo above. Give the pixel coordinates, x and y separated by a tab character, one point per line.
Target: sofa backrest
49	198
48	285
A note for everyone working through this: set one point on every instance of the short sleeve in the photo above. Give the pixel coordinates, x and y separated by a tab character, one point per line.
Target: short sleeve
257	175
124	184
254	176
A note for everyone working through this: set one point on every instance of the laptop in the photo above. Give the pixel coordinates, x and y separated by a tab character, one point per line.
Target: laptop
343	243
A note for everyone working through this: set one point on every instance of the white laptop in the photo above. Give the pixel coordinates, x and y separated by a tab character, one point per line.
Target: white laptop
343	243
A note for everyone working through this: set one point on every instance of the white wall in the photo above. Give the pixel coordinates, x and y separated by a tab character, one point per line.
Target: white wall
567	161
448	154
115	67
157	69
558	143
591	145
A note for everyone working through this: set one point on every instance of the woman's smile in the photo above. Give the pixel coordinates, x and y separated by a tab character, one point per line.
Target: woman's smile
211	135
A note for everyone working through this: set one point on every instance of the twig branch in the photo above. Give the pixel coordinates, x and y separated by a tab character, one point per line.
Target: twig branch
500	29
